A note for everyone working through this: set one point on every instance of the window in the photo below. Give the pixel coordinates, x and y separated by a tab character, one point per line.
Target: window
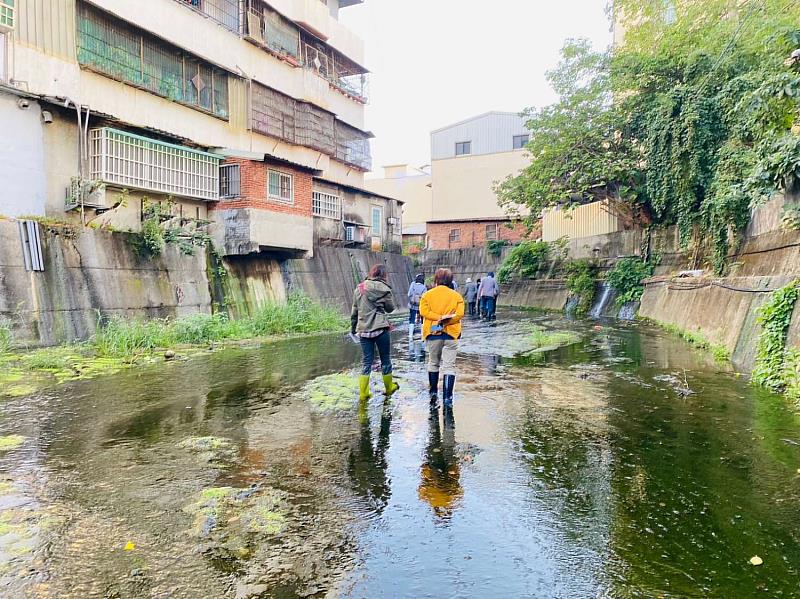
230	181
463	148
6	14
125	53
281	187
455	235
520	141
327	205
377	220
491	232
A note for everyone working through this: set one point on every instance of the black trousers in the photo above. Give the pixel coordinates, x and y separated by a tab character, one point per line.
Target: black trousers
383	343
471	308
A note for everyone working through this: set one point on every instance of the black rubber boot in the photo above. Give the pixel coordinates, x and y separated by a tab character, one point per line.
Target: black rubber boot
449	384
433	382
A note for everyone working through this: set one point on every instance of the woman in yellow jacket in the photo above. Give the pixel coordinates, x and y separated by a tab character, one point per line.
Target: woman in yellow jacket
442	309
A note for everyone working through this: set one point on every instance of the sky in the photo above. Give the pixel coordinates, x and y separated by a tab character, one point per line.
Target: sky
436	62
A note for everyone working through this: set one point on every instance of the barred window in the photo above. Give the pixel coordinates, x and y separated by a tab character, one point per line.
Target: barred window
455	235
230	181
126	53
281	187
327	205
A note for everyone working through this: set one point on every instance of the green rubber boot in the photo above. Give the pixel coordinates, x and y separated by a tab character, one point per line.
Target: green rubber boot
363	387
391	385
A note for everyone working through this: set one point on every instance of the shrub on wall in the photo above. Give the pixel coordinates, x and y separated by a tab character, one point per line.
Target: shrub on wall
524	261
775	316
581	276
626	279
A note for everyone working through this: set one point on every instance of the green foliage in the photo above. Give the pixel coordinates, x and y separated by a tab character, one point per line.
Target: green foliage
720	352
524	261
703	121
774	317
127	338
626	279
153	237
6	336
161	227
552	339
495	247
581	275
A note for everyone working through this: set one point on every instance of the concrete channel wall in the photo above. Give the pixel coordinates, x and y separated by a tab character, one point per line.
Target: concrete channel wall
91	274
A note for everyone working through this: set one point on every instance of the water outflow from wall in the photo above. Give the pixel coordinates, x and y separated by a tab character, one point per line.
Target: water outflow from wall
599	306
628	311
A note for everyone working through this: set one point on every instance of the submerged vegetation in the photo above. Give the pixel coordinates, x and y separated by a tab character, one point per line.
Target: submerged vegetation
120	343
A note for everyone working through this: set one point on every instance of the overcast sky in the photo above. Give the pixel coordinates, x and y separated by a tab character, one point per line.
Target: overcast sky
436	62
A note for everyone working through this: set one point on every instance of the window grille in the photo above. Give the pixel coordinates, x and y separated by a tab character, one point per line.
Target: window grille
230	181
224	12
455	235
137	162
273	113
491	232
327	205
316	128
281	187
334	66
352	146
127	54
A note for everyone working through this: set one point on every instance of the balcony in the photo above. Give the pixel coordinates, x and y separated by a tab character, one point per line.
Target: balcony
134	162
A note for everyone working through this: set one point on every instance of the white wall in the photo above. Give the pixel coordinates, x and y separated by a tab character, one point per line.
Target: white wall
490	134
22	168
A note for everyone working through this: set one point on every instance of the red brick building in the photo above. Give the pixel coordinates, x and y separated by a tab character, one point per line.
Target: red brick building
471	233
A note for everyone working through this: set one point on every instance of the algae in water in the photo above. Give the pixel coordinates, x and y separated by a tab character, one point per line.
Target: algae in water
334	392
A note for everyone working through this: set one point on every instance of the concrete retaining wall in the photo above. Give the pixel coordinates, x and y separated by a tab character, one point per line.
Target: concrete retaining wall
90	275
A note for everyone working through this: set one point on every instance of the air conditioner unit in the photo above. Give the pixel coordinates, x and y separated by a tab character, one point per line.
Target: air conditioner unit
354	233
86	193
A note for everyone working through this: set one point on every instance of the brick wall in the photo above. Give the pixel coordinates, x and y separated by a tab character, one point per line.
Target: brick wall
254	188
472	234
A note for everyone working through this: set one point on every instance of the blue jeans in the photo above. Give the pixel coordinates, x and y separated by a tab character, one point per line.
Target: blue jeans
491	306
383	343
412	315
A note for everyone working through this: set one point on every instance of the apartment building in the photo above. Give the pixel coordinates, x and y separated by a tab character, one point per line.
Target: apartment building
468	159
242	117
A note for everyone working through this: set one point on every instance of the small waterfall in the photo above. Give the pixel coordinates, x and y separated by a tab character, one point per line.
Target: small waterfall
572	304
598	309
628	311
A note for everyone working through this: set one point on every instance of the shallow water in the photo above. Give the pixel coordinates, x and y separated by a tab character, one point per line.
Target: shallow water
626	465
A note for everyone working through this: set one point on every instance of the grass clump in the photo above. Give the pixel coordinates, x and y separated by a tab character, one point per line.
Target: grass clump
552	339
6	336
300	314
8	442
720	352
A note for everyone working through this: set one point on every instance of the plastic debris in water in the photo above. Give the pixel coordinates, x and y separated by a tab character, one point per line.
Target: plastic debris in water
756	561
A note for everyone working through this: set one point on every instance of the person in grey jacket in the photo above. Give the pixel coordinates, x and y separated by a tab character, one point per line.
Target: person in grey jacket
415	292
471	296
372	301
488	292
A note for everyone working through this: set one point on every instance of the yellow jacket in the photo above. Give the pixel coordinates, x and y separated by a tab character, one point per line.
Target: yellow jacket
436	303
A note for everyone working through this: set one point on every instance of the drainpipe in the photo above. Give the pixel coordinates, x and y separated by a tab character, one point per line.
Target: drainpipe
83	153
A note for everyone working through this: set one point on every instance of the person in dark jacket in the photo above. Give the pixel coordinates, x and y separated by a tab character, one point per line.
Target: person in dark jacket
471	295
372	301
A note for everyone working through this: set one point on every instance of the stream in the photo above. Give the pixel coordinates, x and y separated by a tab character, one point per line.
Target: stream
626	464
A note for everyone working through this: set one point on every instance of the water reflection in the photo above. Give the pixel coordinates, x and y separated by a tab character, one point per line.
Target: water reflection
440	475
367	464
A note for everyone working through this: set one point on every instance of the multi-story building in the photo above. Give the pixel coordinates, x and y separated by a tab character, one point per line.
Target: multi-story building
413	187
468	159
246	113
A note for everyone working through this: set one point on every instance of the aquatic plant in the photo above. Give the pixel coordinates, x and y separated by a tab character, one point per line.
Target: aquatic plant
333	392
552	339
213	450
720	352
524	261
581	276
775	316
8	442
626	279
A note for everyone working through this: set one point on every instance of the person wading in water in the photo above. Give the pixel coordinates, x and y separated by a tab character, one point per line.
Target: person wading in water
415	291
372	301
442	309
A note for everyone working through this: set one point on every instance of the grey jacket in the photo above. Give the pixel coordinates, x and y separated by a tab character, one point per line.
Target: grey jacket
471	292
415	292
372	301
489	288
